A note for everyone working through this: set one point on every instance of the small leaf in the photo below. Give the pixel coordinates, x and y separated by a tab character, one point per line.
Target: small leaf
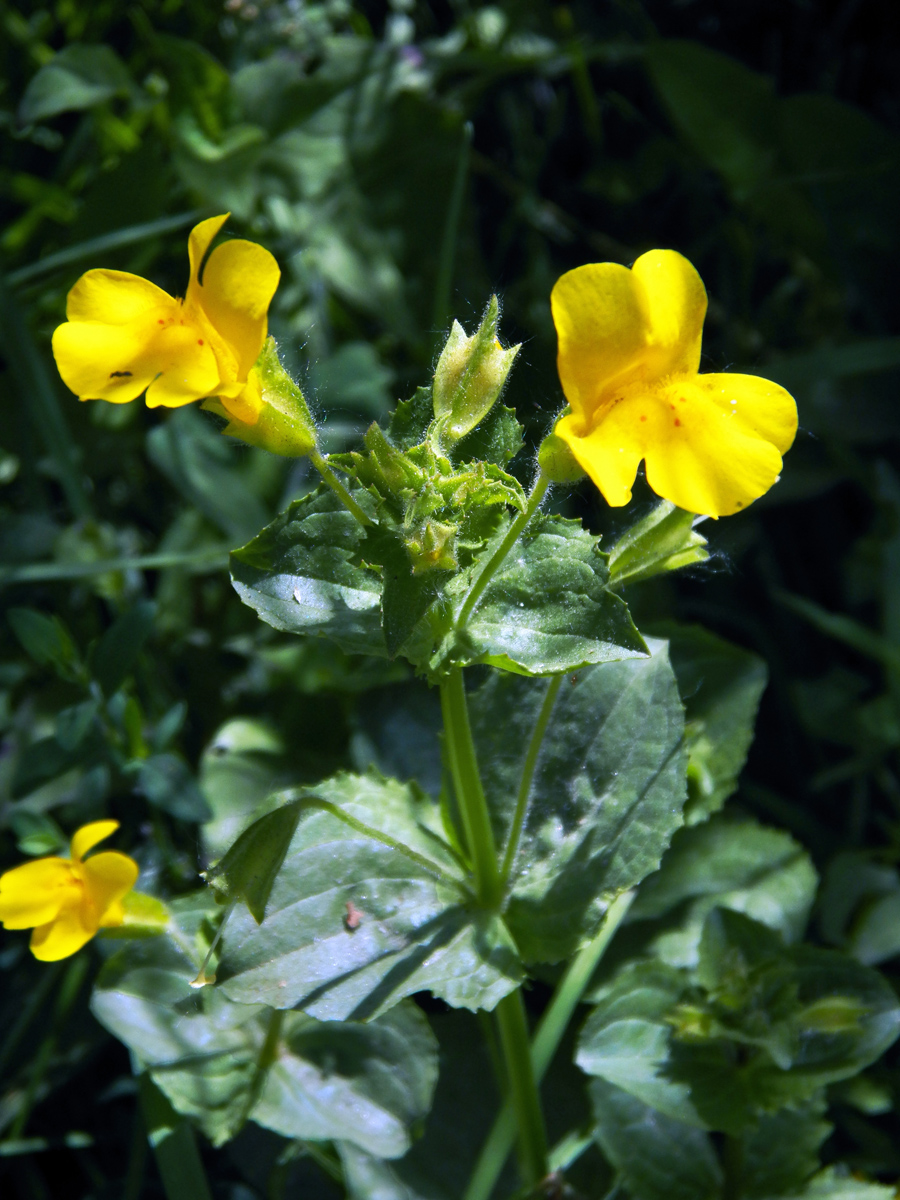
76	78
116	652
496	439
411	419
46	640
304	574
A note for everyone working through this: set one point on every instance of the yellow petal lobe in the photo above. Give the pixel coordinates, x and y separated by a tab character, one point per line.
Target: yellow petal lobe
63	936
239	282
90	835
600	320
113	297
34	893
107	877
199	242
674	300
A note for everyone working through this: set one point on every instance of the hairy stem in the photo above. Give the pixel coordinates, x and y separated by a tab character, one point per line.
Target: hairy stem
491	566
329	477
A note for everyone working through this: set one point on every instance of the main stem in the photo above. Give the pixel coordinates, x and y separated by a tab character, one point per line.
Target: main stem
523	1094
490	568
469	792
549	1033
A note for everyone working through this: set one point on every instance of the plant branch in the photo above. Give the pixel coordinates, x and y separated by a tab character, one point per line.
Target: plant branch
329	477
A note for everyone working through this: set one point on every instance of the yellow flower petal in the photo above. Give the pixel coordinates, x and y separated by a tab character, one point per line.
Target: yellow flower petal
34	893
599	315
63	936
675	306
104	362
610	454
247	404
186	367
88	836
113	297
239	281
107	877
200	240
713	453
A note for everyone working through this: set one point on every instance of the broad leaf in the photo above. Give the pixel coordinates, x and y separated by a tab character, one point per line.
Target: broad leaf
658	1157
222	1063
733	863
369	905
548	609
721	685
605	797
304	574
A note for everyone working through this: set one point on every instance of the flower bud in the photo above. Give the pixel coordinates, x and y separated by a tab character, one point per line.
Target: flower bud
663	541
470	375
432	548
284	424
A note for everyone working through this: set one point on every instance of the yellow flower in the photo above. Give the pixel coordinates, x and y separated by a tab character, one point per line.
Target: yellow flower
629	350
124	335
66	900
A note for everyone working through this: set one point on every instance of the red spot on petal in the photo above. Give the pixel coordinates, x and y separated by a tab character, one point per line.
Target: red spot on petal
643	418
682	399
199	341
672	406
160	321
677	422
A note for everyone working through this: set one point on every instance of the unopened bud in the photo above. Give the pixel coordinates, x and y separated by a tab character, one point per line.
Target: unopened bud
432	548
663	541
283	422
470	375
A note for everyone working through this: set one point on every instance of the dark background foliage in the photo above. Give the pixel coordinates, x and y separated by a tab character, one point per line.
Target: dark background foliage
403	162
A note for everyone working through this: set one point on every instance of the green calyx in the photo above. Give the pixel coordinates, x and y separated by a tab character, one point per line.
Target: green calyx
285	425
557	461
664	540
469	377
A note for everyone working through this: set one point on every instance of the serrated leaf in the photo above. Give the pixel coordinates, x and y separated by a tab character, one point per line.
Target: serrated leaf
721	685
221	1062
835	1183
730	862
387	864
781	1153
496	439
658	1157
548	609
411	419
304	574
605	798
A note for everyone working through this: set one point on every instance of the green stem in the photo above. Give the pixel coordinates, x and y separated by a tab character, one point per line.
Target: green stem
552	1026
329	477
490	569
523	1093
531	757
444	281
469	792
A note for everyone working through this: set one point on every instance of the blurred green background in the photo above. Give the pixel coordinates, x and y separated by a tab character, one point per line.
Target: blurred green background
403	161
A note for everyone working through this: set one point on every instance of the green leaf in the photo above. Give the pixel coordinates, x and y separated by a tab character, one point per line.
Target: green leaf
116	652
835	1183
605	797
242	765
496	439
174	1145
220	1062
78	77
371	849
781	1152
721	685
167	782
304	574
45	639
626	1039
548	609
411	419
729	862
658	1157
